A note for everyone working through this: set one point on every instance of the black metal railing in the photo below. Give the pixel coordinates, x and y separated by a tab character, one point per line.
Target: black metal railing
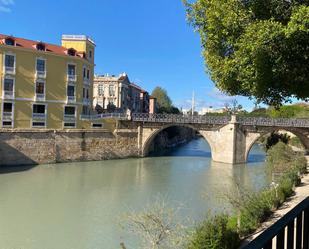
290	232
182	119
201	119
277	122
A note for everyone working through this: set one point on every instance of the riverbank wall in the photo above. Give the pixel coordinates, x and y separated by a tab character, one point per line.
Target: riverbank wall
58	146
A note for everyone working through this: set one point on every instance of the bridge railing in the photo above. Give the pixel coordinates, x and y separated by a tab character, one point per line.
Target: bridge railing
176	118
279	122
291	230
119	116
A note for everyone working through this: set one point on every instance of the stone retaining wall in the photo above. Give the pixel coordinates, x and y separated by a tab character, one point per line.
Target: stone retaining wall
49	146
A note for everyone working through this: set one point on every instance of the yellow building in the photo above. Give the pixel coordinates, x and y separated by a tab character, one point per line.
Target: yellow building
45	85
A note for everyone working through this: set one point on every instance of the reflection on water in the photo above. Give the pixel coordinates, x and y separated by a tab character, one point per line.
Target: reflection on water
79	205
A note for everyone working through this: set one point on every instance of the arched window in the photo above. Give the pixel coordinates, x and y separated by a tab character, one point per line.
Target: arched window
9	41
71	52
41	46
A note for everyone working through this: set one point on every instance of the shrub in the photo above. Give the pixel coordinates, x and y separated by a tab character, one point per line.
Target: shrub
215	233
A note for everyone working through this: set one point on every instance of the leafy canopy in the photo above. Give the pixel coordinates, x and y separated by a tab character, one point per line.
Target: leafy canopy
164	103
255	48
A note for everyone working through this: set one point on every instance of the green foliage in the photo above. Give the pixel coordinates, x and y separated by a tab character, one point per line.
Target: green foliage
280	157
215	233
255	48
295	141
275	138
289	111
164	103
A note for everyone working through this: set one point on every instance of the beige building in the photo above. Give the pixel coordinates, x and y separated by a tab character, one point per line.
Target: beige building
117	93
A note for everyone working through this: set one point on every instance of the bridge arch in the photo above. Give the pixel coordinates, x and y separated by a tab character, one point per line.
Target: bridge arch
149	134
252	138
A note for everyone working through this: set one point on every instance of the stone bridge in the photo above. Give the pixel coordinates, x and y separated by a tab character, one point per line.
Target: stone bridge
230	138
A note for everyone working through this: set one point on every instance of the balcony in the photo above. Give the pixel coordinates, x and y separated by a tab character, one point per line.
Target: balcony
40	97
86	101
40	74
8	94
71	99
39	116
7	116
69	118
71	77
9	70
86	82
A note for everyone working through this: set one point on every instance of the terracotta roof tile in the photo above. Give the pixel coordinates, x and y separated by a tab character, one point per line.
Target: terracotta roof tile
30	44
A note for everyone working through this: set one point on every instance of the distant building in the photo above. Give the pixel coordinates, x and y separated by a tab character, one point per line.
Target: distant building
46	85
121	94
206	110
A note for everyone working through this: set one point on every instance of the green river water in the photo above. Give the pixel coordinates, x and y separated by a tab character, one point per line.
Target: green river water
80	205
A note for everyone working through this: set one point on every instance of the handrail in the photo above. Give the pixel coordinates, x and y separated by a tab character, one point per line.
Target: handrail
203	119
300	213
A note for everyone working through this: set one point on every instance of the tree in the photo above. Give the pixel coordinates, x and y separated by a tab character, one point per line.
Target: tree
255	48
233	107
156	226
164	103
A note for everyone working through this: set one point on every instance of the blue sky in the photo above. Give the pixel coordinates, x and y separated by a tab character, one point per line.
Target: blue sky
149	40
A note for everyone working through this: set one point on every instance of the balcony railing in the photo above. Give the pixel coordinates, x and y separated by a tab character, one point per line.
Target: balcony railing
69	117
40	74
40	96
39	116
71	99
9	70
7	116
71	77
8	94
86	82
86	101
291	230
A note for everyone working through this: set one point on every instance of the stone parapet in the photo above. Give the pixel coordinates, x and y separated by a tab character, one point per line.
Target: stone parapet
25	147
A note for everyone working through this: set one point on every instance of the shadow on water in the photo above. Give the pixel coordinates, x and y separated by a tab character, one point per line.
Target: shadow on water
195	148
15	169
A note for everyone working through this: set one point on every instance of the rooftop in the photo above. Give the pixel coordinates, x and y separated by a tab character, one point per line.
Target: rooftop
78	38
31	44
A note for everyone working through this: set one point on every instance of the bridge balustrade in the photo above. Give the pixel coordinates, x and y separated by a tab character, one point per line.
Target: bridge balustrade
279	122
176	118
291	230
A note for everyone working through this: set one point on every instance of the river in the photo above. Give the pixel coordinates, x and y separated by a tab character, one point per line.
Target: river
81	205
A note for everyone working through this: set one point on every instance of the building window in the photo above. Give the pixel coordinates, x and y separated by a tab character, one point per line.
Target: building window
38	115
71	52
9	63
40	65
41	46
69	117
86	110
71	93
69	111
97	125
9	42
101	90
39	109
7	114
90	54
40	90
84	73
8	88
71	69
88	74
111	91
71	72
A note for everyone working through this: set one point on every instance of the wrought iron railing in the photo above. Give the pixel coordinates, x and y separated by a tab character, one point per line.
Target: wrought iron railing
278	122
176	118
202	119
120	116
291	231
